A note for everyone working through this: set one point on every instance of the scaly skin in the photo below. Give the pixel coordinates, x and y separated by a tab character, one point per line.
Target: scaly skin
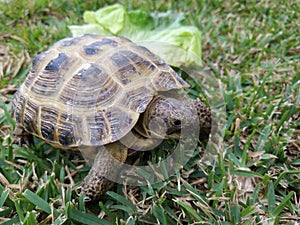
96	183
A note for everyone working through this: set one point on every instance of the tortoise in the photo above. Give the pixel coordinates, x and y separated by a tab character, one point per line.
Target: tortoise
94	90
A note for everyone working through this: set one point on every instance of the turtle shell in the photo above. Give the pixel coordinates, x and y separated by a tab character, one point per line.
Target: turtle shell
90	90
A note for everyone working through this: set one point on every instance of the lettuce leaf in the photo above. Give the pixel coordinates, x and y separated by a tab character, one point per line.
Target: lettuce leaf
162	33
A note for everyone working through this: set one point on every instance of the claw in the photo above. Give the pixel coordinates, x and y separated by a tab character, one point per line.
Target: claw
21	137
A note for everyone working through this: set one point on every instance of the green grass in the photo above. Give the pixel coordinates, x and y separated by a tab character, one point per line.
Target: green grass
253	48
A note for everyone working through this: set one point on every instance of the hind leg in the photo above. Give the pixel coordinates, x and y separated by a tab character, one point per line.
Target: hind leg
21	137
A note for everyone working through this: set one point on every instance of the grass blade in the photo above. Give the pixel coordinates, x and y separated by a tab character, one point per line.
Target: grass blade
271	197
235	214
3	197
12	221
283	203
39	202
111	215
30	219
19	210
122	200
189	210
85	218
160	214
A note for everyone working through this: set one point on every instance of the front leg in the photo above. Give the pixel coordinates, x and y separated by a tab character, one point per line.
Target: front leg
106	167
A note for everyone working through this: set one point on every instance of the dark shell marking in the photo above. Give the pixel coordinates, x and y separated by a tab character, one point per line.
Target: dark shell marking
49	117
95	47
69	42
54	64
90	90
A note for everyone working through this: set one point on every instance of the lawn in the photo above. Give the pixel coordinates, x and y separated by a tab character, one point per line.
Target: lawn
253	177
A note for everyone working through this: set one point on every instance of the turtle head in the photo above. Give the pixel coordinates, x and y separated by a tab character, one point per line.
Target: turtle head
167	117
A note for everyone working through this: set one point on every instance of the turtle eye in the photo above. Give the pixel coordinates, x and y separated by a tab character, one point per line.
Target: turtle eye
177	122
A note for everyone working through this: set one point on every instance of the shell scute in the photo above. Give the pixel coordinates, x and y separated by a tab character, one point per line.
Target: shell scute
67	42
90	87
31	116
98	129
95	47
55	64
66	136
18	107
127	74
69	129
137	99
47	130
49	117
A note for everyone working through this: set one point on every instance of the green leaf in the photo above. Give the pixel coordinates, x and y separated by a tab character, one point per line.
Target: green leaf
111	18
162	33
88	29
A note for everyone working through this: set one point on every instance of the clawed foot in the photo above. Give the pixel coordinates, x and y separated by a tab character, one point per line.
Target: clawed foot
21	137
23	140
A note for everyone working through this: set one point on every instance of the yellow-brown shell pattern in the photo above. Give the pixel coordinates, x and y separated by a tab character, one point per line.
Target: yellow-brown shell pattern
90	90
